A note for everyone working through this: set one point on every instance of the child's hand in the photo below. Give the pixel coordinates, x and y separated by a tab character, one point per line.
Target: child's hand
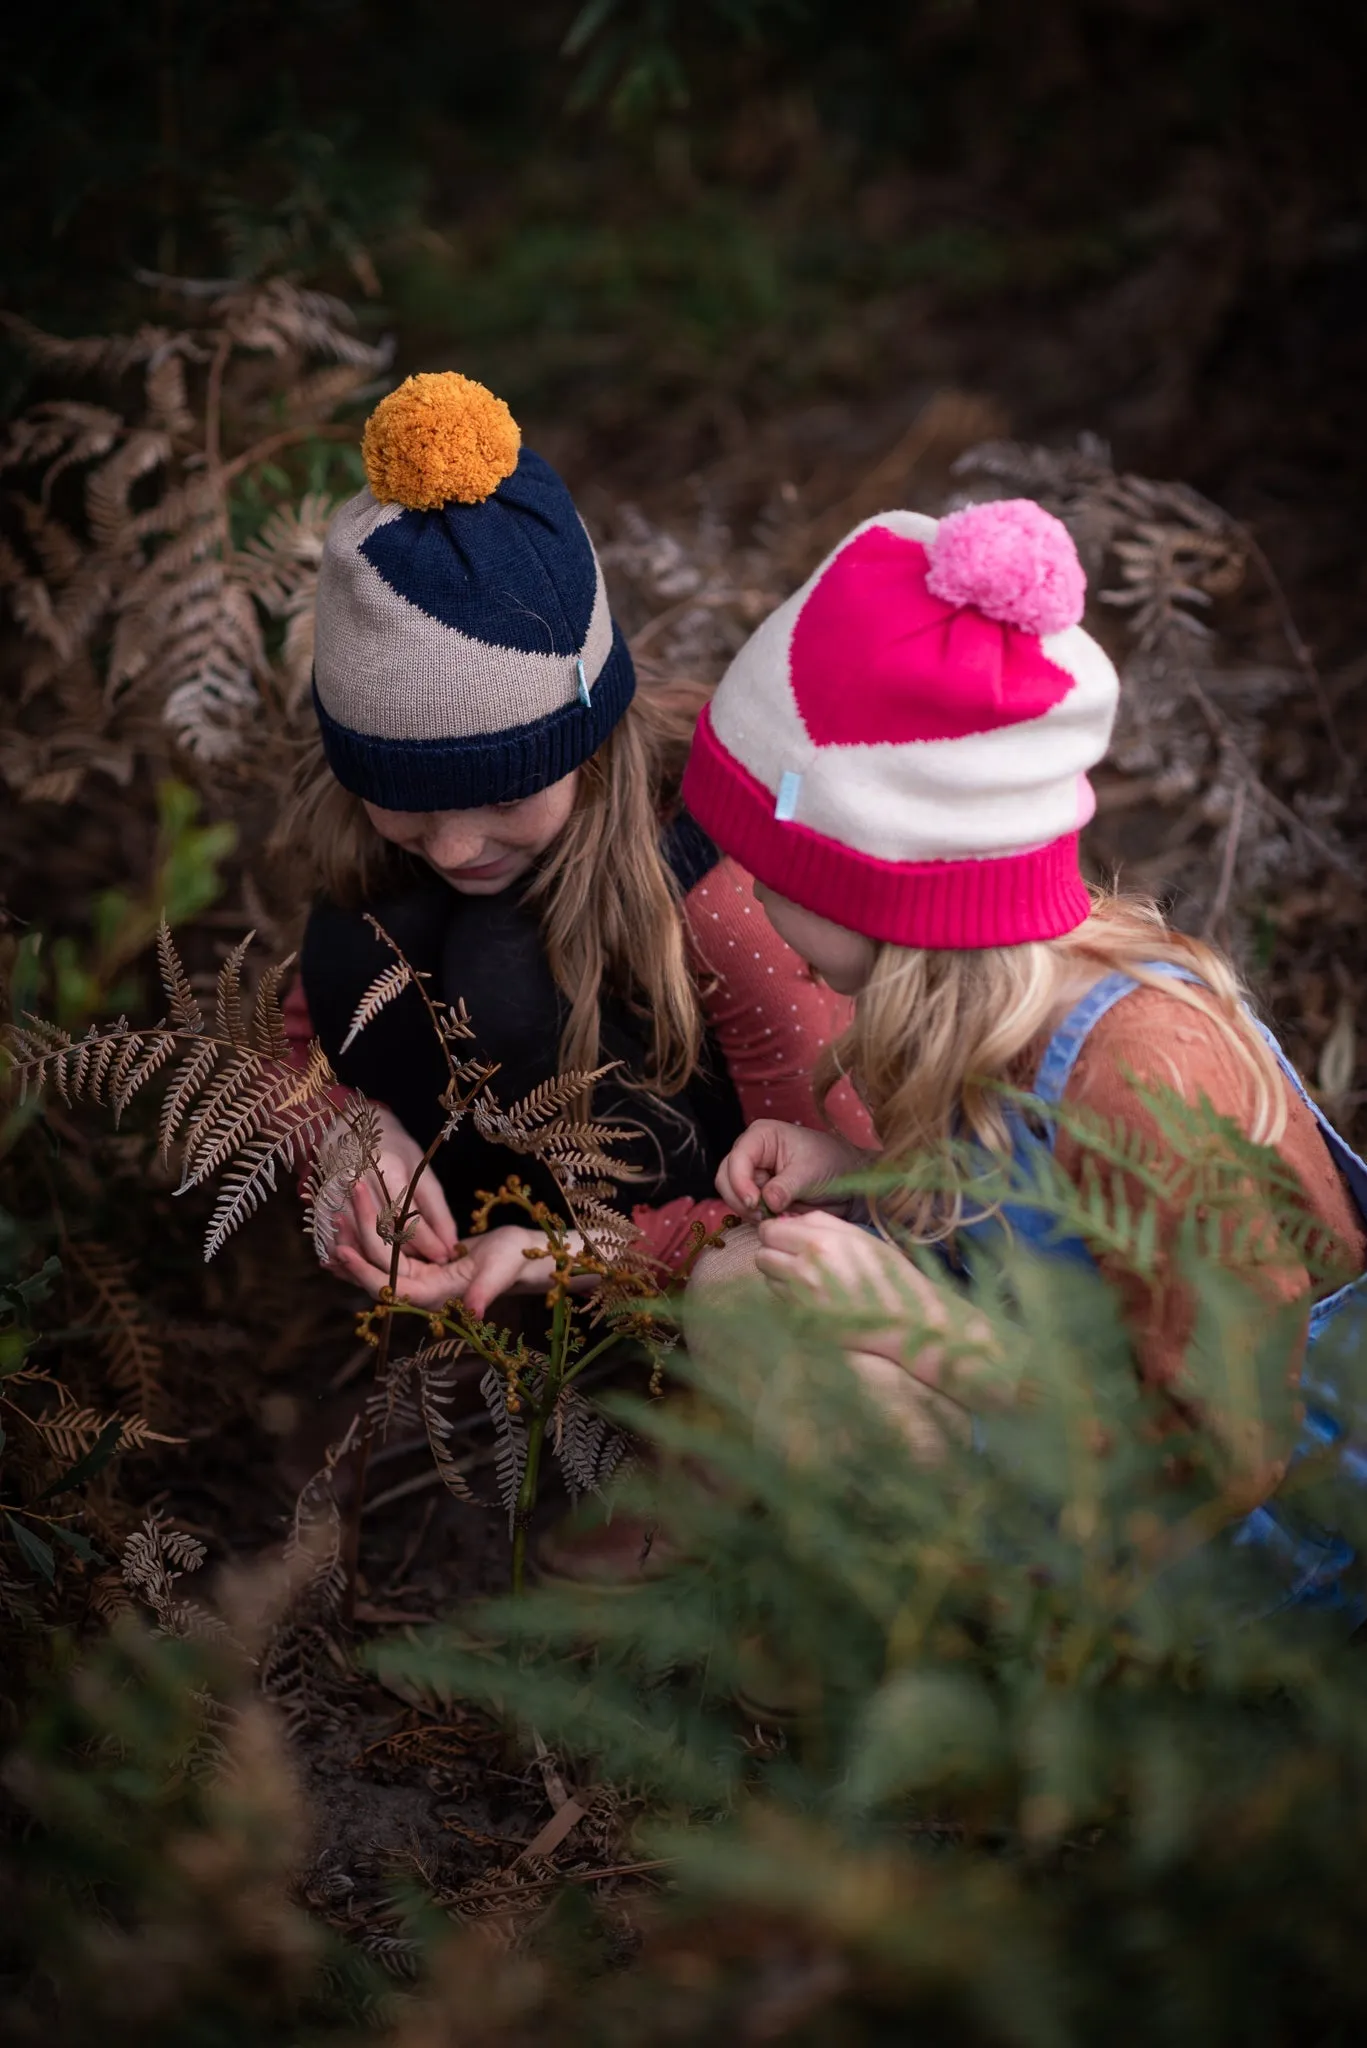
839	1264
484	1267
776	1163
433	1234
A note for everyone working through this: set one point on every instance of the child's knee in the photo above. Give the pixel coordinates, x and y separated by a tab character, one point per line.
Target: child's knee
730	1261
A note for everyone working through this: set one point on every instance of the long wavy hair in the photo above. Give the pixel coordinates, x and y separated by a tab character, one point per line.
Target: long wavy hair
935	1034
607	901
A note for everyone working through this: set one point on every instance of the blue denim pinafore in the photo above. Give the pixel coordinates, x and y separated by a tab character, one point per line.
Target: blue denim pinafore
1313	1563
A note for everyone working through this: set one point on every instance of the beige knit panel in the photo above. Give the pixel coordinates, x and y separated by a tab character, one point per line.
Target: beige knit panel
385	668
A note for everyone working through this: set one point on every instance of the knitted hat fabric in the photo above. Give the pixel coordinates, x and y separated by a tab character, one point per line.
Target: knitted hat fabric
902	747
464	650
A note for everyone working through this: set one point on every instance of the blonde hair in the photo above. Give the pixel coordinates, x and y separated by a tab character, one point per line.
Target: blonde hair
936	1034
607	900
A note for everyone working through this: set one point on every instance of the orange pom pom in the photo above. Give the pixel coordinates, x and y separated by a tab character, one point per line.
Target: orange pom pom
439	436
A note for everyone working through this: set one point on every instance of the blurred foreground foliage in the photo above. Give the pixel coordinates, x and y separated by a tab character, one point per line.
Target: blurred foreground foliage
65	1416
1052	1767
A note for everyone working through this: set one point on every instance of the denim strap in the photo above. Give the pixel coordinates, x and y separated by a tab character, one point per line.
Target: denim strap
1061	1053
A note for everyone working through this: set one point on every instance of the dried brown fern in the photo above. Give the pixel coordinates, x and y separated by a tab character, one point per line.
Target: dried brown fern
155	1558
549	1125
135	611
233	1100
133	1357
241	1110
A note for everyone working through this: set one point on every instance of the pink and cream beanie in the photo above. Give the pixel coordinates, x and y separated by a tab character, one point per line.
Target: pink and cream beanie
903	745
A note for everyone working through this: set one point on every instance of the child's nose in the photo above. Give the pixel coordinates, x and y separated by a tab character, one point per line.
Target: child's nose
455	839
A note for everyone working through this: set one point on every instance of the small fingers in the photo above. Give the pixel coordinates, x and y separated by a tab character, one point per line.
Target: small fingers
425	1284
350	1264
435	1212
791	1234
782	1270
365	1216
421	1241
736	1184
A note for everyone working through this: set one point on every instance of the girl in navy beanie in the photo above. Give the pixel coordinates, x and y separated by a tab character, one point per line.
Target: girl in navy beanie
491	784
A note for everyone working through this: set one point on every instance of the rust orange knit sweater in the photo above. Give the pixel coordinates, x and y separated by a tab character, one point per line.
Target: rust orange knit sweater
1156	1038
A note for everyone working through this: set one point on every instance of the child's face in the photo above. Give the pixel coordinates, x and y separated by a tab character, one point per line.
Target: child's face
842	958
480	852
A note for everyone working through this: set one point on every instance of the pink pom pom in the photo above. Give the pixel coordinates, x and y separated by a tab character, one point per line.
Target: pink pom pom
1011	560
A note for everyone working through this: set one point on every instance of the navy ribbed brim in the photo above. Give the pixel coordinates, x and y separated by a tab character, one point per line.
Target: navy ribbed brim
485	768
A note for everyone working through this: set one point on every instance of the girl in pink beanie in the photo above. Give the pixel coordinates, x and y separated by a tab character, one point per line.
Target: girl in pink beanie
899	755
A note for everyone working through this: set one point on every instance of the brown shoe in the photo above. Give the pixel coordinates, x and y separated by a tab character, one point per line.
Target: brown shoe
610	1555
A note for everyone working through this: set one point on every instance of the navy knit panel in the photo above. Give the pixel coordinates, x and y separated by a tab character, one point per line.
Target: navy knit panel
516	571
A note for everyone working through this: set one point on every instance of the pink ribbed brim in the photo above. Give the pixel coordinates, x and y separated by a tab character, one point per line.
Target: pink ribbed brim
945	905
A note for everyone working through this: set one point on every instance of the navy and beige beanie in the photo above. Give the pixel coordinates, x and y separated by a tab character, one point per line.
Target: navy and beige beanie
465	653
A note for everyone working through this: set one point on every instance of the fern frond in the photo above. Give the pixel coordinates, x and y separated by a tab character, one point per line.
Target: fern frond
109	486
391	1402
252	1177
87	355
392	982
319	395
72	1431
434	1394
608	1234
59	432
454	1019
155	1049
281	318
166	395
193	1072
154	1558
249	1099
134	1357
106	1064
510	1440
268	1032
209	670
587	1448
228	1018
343	1155
539	1107
176	982
278	567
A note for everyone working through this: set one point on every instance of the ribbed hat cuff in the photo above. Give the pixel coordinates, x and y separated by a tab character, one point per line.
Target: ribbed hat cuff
950	905
463	774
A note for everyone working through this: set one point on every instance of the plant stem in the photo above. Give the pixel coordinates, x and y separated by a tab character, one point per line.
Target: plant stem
572	1372
536	1437
273	443
352	1547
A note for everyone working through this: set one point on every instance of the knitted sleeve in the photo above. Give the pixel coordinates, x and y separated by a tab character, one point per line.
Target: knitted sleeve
1153	1038
770	1019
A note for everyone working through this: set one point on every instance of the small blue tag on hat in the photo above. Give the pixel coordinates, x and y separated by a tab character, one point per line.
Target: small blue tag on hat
584	697
789	790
